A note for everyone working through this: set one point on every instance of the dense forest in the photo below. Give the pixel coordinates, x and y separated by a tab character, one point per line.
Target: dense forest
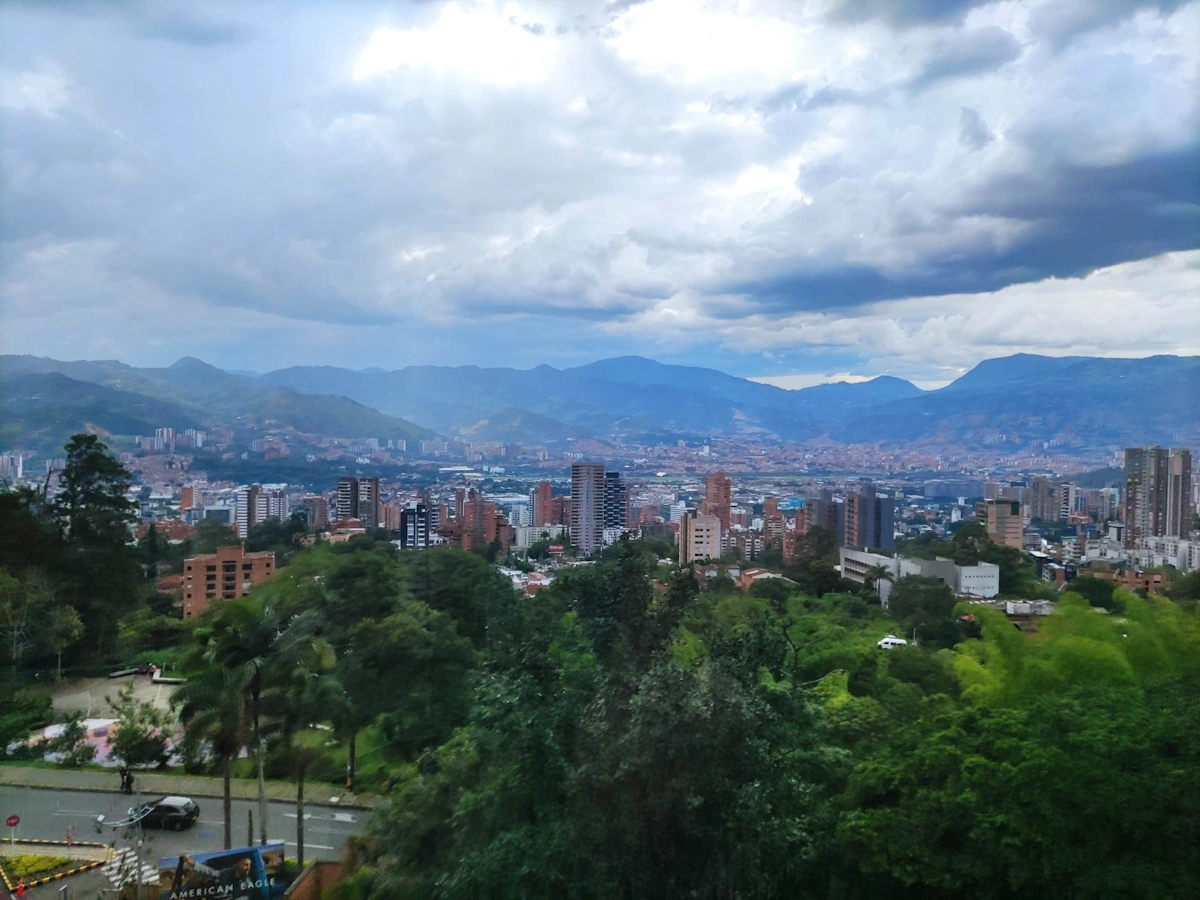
634	731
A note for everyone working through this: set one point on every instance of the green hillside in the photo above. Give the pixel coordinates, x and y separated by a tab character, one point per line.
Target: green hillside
45	396
40	412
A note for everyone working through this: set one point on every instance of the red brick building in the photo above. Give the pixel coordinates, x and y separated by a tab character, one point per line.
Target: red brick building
226	574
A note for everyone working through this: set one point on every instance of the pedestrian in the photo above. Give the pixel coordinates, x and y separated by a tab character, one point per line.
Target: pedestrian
126	779
21	887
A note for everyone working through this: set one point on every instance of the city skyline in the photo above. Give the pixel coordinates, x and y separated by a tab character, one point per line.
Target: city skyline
787	191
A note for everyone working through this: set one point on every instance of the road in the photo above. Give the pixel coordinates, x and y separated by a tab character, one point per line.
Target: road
45	814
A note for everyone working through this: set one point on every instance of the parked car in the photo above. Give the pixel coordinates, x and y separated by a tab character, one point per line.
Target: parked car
176	813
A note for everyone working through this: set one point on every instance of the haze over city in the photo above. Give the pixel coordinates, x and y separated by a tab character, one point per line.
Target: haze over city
795	192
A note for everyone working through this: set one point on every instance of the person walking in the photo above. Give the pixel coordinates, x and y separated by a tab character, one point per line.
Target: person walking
20	891
126	779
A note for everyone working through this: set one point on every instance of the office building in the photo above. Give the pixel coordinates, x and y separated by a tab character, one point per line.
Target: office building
588	495
1158	490
187	498
1004	521
230	572
699	537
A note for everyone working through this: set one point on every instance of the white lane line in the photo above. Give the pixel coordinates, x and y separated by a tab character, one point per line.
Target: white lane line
308	846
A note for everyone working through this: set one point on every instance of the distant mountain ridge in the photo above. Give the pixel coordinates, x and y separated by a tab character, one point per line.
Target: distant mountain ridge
44	401
1016	401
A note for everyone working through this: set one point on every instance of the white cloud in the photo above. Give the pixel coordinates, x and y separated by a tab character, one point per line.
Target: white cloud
484	43
1134	309
42	92
665	173
799	381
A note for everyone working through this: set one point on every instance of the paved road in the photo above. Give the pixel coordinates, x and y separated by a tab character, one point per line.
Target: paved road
46	814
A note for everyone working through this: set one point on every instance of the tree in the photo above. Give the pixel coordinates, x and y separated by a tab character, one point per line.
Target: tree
1096	591
142	737
71	743
212	709
211	534
232	646
1186	589
23	602
874	575
91	501
925	607
60	630
301	693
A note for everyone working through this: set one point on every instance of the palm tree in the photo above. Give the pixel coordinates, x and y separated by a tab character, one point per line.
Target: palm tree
233	646
302	693
876	574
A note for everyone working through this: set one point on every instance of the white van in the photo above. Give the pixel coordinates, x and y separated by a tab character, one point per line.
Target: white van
892	641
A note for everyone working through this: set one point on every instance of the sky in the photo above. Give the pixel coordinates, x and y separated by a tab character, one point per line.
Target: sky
792	190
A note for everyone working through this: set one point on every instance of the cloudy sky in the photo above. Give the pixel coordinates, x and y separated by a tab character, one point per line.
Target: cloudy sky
787	189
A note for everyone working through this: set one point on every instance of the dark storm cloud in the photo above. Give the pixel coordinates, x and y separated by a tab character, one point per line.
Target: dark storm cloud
1078	218
971	53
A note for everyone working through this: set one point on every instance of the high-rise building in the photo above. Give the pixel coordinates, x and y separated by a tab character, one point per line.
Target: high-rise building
346	504
718	497
587	507
1003	520
541	504
700	537
824	511
1041	496
187	498
416	526
1158	493
870	520
368	502
1179	493
314	511
616	501
1066	500
245	508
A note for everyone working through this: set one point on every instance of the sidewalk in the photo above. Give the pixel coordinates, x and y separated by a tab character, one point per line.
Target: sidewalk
151	783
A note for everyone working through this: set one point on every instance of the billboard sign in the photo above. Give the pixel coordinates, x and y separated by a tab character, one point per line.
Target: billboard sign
556	548
248	873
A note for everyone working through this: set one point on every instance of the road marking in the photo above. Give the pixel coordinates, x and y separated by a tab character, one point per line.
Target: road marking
308	846
343	817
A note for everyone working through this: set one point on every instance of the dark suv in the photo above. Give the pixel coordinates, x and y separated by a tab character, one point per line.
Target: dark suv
176	813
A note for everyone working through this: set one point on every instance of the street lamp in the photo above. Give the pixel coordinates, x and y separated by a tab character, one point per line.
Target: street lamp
134	818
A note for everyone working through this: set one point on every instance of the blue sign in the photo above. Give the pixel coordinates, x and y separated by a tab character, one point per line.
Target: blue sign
247	873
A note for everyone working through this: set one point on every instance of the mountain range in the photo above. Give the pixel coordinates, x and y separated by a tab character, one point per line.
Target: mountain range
1019	400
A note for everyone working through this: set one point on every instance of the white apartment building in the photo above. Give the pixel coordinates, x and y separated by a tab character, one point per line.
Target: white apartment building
1183	554
699	538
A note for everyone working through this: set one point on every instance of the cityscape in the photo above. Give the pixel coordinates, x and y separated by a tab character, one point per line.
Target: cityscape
600	449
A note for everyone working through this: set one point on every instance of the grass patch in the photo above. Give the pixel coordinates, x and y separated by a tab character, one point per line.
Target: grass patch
30	866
